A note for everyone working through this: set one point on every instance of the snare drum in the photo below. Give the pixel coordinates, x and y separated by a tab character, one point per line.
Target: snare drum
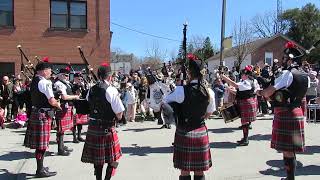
230	113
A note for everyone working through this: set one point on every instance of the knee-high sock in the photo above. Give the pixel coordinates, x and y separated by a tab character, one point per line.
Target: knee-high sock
98	171
39	157
245	130
290	165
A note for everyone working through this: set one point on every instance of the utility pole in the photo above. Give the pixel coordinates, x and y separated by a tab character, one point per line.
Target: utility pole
223	23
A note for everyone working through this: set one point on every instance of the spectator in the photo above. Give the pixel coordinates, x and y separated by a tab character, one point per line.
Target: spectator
7	97
131	101
219	90
312	90
235	74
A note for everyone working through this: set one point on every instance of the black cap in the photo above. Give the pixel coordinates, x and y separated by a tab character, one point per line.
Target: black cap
292	51
42	66
64	71
77	75
104	70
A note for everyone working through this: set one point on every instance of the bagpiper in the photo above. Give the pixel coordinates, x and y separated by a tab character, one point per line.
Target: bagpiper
39	125
80	115
64	117
194	103
288	124
102	143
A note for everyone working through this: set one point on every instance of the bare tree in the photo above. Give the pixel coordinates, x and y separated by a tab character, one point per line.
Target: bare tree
242	38
155	52
267	25
197	41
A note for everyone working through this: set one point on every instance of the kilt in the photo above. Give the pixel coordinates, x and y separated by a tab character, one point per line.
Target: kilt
101	147
80	119
38	131
64	119
248	110
288	130
192	149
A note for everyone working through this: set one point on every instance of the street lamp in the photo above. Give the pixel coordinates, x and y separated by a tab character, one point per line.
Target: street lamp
184	42
223	31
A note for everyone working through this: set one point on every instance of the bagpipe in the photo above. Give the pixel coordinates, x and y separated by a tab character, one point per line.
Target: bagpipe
28	69
89	68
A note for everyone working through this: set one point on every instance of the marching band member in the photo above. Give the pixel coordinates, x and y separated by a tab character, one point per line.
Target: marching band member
288	123
102	143
191	143
246	101
64	117
39	125
80	119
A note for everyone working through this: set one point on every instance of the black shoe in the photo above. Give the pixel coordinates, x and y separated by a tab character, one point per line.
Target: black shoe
67	149
243	142
162	127
63	153
45	173
81	139
75	140
2	126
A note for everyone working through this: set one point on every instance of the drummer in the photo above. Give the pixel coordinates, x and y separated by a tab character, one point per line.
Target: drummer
246	101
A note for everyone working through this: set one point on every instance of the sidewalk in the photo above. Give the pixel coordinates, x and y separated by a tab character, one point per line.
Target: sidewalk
147	154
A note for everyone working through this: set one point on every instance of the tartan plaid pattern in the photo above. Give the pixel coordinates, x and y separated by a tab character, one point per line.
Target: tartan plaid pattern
64	119
38	131
248	110
288	130
1	116
192	149
80	119
101	147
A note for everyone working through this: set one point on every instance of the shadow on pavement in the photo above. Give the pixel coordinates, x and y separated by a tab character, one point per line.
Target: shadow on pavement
6	175
146	150
223	130
223	145
260	137
279	171
310	150
141	129
12	156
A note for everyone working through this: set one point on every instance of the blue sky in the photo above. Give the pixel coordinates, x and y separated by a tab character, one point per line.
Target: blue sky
165	18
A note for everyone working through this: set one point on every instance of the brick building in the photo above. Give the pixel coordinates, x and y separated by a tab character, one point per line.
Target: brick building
261	51
54	28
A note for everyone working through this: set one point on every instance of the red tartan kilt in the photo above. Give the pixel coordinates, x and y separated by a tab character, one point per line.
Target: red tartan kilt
288	130
64	119
248	110
81	119
192	150
101	147
1	116
38	131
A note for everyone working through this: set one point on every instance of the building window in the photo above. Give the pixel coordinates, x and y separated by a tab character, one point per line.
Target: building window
6	12
268	58
67	14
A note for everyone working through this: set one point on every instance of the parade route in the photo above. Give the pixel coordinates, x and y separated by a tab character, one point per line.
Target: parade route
147	154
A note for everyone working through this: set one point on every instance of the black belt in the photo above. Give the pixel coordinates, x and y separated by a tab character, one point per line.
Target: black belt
49	111
101	123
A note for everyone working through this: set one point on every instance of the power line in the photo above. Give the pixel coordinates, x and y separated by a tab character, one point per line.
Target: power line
144	33
148	34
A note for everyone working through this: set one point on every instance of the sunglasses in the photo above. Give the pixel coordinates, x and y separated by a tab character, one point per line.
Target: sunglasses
66	75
